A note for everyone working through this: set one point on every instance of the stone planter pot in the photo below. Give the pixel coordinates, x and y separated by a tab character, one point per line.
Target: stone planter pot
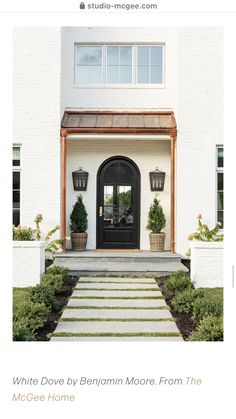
207	263
157	242
79	241
28	262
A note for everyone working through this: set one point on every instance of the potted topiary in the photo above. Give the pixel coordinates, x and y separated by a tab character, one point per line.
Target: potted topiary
156	223
79	225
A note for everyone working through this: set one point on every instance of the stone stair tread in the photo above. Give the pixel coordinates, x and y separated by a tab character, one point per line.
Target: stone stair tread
158	302
116	279
115	286
117	327
75	264
112	293
115	314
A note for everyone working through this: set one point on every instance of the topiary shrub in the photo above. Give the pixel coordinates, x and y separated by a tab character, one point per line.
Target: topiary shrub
78	217
156	217
177	282
41	300
183	301
211	302
45	294
29	317
21	331
209	329
58	270
56	282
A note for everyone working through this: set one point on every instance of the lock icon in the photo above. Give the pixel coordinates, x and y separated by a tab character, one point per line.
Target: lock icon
82	5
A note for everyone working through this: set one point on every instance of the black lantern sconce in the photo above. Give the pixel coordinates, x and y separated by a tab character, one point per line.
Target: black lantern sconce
80	180
157	180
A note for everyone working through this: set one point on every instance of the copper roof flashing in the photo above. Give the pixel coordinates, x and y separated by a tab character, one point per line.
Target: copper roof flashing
122	121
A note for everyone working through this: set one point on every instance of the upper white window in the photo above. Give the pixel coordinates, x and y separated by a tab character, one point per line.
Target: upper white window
150	64
89	64
119	64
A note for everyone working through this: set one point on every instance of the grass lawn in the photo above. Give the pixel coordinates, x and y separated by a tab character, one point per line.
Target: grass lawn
19	296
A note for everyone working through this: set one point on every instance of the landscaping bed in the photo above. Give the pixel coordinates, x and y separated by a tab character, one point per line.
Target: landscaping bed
197	312
36	310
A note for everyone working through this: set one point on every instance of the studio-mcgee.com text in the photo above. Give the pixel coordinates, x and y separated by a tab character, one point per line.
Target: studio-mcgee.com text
46	389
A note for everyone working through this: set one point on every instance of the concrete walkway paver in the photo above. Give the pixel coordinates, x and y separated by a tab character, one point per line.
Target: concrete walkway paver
113	293
115	314
112	279
136	303
109	308
117	327
115	285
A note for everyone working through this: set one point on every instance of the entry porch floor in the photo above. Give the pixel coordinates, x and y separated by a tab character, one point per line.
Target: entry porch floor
120	262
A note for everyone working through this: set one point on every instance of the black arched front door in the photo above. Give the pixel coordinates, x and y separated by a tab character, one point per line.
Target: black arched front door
118	204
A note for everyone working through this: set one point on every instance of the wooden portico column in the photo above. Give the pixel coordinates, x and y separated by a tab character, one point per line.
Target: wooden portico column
63	187
173	136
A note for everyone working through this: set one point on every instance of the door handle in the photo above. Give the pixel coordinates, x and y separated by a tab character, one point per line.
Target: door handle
100	211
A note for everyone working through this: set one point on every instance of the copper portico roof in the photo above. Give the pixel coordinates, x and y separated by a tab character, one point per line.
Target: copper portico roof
112	121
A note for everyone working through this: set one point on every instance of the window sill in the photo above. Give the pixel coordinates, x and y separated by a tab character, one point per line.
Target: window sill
120	86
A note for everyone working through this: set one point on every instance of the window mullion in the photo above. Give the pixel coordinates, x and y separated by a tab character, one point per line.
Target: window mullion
149	70
134	64
119	64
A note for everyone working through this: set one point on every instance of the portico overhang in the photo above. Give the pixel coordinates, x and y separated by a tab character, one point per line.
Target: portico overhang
115	124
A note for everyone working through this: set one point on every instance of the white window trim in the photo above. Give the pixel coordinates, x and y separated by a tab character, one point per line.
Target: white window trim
134	84
218	170
18	169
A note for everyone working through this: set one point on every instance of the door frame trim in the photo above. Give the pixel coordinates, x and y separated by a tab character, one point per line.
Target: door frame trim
127	159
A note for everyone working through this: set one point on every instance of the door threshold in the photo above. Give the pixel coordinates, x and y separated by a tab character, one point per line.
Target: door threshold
118	250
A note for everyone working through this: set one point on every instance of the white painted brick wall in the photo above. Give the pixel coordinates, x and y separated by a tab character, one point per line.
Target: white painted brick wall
28	262
135	97
91	154
199	119
207	264
193	74
37	73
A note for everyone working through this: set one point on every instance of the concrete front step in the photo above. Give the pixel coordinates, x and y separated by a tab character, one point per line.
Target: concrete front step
119	280
141	303
115	314
113	293
120	256
102	327
132	262
114	286
131	268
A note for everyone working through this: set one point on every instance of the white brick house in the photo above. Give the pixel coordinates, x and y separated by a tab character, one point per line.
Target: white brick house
115	92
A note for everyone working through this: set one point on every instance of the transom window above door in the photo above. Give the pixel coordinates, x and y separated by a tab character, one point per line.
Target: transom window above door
108	65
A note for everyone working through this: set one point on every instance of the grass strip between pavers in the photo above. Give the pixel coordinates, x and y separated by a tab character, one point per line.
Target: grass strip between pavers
94	297
120	276
74	319
116	308
117	289
118	335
